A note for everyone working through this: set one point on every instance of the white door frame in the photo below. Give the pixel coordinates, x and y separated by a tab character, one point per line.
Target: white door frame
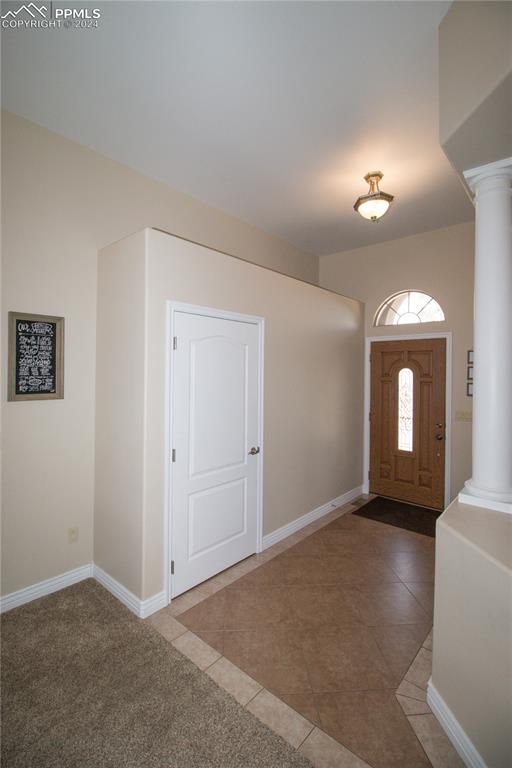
193	309
448	406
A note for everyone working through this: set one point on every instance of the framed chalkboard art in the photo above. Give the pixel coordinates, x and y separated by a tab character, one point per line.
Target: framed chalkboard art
36	357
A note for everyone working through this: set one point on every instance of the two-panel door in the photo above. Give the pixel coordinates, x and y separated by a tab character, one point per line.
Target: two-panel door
407	420
215	441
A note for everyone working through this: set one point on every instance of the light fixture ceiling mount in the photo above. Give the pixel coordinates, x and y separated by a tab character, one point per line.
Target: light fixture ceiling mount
375	203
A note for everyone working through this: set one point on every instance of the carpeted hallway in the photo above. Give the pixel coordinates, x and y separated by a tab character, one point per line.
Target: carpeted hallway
85	684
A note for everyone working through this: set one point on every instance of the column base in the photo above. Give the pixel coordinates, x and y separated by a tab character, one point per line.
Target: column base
478	497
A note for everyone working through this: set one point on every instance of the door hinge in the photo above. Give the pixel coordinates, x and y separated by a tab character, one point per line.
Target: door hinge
370	416
175	342
173	455
172	567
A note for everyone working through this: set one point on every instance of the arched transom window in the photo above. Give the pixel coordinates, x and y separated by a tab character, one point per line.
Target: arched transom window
409	307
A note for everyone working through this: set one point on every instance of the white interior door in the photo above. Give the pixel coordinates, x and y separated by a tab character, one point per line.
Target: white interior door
215	441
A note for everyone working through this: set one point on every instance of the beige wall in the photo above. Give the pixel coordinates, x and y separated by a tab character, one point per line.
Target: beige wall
475	55
439	263
475	83
61	203
120	424
313	390
472	663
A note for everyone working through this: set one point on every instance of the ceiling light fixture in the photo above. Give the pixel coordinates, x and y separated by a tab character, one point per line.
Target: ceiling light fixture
375	203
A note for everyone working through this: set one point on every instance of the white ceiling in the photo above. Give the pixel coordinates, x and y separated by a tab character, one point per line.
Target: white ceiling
271	111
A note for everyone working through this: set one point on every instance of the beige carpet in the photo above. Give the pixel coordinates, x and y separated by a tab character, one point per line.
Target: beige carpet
85	684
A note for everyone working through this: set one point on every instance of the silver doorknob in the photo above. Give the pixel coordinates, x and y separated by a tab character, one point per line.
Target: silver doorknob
254	451
439	437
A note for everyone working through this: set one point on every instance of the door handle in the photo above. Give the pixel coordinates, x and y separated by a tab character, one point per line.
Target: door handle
254	451
439	437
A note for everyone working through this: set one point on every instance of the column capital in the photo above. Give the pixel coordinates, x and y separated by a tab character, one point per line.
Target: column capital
501	168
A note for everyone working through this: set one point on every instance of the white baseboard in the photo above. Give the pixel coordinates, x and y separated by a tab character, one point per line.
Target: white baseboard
144	608
309	517
453	729
152	605
141	608
42	588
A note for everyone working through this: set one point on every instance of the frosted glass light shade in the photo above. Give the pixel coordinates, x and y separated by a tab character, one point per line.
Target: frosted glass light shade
373	205
373	209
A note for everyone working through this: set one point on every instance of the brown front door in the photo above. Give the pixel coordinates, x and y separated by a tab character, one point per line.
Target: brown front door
407	420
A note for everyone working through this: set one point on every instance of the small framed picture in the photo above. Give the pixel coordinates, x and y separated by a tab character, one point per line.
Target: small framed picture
470	373
470	357
36	357
469	389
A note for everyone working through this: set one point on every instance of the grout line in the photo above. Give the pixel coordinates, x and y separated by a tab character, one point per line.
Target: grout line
256	694
213	662
308	735
421	701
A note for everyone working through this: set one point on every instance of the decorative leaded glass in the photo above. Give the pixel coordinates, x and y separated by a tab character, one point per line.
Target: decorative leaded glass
409	307
405	409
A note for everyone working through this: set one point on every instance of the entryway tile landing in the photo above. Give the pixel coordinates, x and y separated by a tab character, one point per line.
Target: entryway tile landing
323	627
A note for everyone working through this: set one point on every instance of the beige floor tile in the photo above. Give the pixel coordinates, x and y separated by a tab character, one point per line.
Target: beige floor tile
242	687
167	625
428	642
372	725
240	569
225	578
213	638
263	557
280	718
281	546
303	703
324	752
435	742
413	706
420	670
196	650
209	614
208	588
184	602
411	691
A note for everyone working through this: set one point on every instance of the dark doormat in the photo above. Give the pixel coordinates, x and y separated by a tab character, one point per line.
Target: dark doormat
401	515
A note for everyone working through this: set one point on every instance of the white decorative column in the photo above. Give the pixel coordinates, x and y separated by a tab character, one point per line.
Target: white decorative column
491	483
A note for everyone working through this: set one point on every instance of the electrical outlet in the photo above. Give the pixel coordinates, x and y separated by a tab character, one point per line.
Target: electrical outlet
72	535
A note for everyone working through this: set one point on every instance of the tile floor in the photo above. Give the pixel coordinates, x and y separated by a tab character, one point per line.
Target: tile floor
326	637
